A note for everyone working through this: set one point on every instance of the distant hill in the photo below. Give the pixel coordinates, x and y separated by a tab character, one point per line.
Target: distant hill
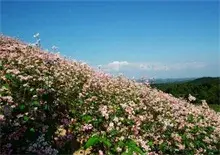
166	80
207	88
206	80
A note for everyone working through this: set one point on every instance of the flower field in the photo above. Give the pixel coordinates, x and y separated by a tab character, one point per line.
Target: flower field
52	105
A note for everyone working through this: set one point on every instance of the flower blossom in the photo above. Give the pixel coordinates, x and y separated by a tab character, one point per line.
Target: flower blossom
104	111
2	117
101	152
87	127
191	98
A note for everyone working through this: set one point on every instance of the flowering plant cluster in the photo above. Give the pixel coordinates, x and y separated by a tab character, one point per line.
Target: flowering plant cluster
52	105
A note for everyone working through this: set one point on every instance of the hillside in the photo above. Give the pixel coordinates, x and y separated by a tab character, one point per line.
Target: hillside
51	105
206	88
206	80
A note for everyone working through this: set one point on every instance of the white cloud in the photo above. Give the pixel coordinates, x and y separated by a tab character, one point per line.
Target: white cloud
116	65
150	66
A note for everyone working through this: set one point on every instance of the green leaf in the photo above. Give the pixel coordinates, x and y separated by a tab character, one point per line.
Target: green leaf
133	147
26	118
209	129
32	130
5	86
121	144
87	118
21	107
106	142
46	107
92	141
163	146
81	102
35	103
128	122
150	143
113	132
130	151
190	118
1	65
8	76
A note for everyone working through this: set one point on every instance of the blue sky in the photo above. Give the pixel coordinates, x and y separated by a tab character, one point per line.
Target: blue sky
153	39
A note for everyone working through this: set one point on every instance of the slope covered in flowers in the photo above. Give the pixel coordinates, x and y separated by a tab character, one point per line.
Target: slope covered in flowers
51	105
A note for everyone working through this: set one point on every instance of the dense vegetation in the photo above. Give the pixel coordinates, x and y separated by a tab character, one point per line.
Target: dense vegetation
206	88
51	105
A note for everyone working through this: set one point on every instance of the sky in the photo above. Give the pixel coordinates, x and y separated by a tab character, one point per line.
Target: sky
171	39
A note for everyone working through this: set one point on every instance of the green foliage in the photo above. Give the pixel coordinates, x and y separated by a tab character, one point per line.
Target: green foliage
87	118
1	65
206	88
132	147
9	76
216	107
94	140
22	107
35	103
32	130
26	118
129	144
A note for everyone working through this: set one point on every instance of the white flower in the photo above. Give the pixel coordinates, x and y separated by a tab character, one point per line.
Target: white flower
111	124
122	138
12	106
115	119
143	144
118	149
104	111
20	115
191	98
16	124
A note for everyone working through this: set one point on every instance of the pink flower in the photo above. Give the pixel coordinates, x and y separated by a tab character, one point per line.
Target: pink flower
181	147
40	91
44	128
13	71
101	152
87	127
129	110
8	99
152	153
2	117
65	121
135	130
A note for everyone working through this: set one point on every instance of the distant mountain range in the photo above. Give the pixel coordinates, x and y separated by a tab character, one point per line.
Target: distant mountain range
166	80
205	88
